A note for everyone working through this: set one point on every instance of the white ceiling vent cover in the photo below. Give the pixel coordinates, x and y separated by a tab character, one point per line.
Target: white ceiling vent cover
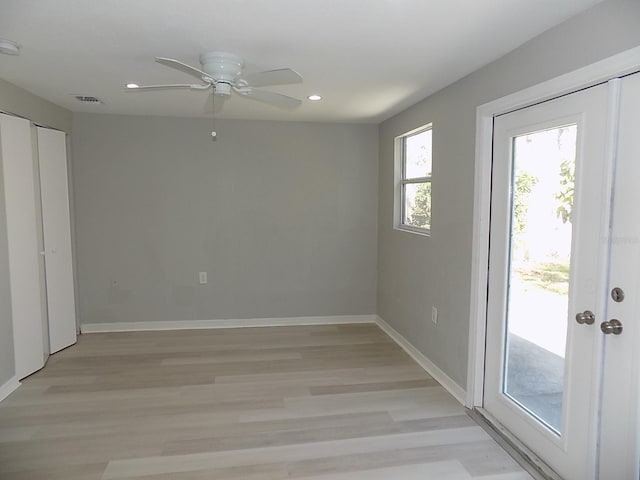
89	99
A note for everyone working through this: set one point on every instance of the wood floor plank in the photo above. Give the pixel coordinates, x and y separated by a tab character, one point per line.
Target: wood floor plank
424	471
64	472
372	386
332	402
379	447
16	434
254	472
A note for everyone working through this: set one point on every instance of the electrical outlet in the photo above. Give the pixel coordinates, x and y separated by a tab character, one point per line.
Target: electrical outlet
203	278
434	315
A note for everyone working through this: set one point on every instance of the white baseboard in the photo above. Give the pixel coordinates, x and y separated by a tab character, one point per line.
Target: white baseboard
224	323
442	378
8	387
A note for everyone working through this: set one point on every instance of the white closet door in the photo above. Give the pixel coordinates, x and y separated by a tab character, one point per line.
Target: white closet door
29	316
54	188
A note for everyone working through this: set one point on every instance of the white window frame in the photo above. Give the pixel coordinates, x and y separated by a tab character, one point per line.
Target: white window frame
401	181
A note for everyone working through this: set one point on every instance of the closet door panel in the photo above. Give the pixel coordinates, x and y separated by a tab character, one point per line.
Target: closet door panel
54	188
23	230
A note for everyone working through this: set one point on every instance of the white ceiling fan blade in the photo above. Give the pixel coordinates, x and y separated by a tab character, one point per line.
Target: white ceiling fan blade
158	87
168	87
281	76
272	98
183	67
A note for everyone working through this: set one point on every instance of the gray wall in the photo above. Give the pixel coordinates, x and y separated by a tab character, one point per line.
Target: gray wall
20	102
416	272
282	216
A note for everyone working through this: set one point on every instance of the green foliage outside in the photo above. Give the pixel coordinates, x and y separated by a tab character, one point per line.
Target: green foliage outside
565	195
523	186
551	276
420	215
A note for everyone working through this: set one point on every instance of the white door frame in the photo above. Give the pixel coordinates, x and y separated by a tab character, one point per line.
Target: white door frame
620	64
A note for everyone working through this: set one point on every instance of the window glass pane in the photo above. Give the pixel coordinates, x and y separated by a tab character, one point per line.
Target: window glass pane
417	204
538	300
417	152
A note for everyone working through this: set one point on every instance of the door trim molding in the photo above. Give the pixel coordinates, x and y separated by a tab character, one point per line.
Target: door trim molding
618	65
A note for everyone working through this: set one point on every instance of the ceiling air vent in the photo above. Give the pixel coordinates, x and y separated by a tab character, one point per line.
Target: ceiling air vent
89	99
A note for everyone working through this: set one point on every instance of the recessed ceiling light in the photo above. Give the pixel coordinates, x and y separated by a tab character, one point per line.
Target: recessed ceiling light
9	47
314	97
133	85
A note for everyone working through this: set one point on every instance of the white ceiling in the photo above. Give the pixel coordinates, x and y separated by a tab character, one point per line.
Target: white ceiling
369	59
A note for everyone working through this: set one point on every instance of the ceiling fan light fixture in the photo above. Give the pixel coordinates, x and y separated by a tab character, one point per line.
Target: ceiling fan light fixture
132	85
222	66
315	97
9	47
222	89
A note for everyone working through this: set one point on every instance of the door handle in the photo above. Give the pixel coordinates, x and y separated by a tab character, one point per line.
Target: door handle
613	326
586	317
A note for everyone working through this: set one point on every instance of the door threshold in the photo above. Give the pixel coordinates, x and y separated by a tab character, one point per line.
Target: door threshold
528	460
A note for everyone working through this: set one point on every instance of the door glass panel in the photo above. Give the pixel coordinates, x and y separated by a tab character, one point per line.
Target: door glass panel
540	257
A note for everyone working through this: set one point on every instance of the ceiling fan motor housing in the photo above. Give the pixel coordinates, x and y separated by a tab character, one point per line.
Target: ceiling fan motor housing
224	68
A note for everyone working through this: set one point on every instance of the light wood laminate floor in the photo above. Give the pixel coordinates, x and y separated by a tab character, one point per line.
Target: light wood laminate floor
310	402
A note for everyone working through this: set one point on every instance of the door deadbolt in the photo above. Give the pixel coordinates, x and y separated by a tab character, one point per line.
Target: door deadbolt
587	317
612	327
617	294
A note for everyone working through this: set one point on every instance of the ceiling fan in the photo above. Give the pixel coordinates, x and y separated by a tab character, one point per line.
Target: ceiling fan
223	73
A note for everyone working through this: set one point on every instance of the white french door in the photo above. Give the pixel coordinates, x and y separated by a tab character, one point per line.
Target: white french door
619	455
559	244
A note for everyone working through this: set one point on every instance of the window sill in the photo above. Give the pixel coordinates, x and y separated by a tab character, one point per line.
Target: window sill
415	230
